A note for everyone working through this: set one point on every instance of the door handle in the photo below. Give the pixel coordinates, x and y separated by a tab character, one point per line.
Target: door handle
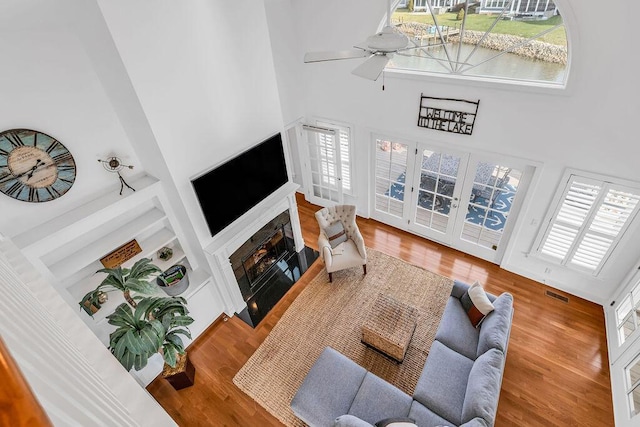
454	205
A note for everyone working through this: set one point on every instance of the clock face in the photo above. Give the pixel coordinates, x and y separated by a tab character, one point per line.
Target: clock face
34	167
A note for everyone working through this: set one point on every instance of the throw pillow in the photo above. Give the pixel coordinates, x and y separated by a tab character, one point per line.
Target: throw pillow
476	303
397	422
336	234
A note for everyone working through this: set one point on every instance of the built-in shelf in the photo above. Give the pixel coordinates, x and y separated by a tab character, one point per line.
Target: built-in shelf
96	249
68	249
59	230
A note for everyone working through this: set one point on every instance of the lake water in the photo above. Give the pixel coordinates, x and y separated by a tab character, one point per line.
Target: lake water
509	65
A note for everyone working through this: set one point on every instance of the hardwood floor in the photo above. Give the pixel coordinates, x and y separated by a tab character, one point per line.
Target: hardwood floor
557	369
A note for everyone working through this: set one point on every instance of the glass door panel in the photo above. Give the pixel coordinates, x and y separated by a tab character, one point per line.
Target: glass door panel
390	177
438	177
491	198
437	192
633	385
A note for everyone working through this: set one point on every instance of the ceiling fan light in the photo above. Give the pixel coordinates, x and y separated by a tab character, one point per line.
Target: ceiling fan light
387	40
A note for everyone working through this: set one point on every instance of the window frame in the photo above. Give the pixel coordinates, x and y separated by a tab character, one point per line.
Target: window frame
606	183
564	87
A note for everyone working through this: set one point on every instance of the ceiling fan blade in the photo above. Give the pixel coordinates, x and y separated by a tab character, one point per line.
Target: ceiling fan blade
372	67
335	55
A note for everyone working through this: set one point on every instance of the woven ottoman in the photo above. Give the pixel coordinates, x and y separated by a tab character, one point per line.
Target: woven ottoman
389	327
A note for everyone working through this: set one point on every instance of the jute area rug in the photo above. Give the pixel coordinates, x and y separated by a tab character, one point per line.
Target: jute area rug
331	314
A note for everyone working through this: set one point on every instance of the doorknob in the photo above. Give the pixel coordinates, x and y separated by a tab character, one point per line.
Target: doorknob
454	205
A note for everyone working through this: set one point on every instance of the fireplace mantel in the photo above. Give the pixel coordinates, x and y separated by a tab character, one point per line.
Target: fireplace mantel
223	244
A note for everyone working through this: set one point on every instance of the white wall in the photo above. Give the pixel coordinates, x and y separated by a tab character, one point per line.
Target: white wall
204	74
587	126
48	84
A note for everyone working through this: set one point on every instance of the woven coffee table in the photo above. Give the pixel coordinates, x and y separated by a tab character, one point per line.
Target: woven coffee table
389	327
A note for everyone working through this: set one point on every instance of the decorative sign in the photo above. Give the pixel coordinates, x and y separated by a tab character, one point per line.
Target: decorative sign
447	114
124	253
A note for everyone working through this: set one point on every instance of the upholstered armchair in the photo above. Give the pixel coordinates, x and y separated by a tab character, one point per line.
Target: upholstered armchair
340	243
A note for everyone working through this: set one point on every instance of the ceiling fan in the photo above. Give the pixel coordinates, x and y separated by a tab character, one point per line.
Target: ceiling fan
378	48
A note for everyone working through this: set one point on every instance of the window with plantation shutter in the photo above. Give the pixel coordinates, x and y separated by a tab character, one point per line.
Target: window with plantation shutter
329	170
588	221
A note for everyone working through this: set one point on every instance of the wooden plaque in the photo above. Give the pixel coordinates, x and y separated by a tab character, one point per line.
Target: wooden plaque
124	253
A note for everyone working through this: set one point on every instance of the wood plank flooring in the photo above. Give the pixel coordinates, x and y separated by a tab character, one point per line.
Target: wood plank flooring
556	374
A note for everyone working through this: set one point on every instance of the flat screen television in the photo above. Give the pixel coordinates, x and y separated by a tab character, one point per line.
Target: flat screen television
228	191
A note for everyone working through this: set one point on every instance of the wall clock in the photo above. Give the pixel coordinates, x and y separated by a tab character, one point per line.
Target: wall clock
34	167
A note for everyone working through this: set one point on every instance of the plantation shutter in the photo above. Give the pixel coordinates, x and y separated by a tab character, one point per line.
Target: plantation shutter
345	158
327	158
590	219
577	202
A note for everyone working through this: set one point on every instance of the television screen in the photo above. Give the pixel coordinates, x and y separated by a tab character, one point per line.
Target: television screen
231	189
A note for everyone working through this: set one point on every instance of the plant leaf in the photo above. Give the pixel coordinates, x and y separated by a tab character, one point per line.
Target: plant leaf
148	340
140	286
143	268
181	321
122	316
169	355
181	331
141	360
174	339
132	342
115	336
127	360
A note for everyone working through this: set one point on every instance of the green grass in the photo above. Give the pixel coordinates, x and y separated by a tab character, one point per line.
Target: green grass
483	22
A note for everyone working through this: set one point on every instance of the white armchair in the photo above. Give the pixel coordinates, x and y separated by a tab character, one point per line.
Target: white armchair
352	252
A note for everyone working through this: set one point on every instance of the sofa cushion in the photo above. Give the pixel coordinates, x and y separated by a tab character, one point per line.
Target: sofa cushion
377	399
347	420
443	382
494	331
483	387
455	330
425	417
476	304
328	389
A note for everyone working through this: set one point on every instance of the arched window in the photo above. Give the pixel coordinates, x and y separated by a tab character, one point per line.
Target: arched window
522	40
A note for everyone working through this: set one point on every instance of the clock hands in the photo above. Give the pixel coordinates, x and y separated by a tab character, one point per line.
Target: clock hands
31	171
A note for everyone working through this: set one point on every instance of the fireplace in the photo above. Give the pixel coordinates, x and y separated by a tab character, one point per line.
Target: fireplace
259	257
257	264
266	266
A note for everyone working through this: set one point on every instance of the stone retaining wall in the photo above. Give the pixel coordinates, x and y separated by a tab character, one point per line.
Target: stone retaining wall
534	49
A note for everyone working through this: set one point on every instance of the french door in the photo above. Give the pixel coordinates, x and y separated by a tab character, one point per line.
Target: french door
462	200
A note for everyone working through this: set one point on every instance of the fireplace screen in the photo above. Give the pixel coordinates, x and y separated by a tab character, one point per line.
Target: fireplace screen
265	256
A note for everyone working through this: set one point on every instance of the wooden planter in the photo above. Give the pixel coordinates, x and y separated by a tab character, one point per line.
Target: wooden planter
183	375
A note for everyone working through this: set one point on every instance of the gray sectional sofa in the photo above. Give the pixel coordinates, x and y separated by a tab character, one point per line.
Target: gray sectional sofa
459	385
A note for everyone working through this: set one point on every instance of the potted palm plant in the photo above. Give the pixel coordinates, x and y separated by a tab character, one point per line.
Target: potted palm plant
124	280
155	325
146	324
